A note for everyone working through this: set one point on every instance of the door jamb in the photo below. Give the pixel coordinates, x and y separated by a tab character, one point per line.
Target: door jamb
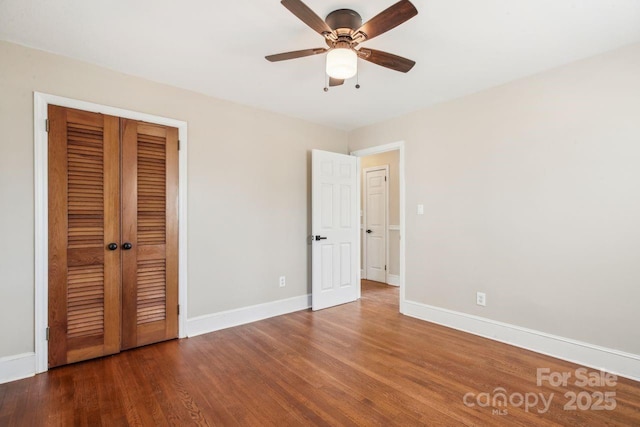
399	145
385	168
41	102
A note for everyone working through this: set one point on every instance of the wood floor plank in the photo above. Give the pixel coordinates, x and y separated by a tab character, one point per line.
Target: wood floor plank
358	364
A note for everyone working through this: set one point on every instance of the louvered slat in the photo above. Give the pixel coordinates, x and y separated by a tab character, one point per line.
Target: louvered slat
85	301
85	190
85	186
151	190
151	291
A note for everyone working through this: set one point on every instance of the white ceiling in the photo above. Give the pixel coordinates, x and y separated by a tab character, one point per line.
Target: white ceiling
218	48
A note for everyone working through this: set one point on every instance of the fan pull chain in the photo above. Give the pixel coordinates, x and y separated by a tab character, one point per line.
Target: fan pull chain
325	77
358	79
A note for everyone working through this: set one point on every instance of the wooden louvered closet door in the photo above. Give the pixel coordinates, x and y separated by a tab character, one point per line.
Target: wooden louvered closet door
149	223
111	181
84	217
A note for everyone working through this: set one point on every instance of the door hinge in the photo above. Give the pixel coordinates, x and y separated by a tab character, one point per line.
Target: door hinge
178	309
47	334
46	124
178	145
385	268
385	178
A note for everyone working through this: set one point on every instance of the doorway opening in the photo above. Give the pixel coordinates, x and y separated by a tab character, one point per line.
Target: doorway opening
382	215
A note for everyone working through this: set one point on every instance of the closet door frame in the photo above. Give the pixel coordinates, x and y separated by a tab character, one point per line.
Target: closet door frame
40	116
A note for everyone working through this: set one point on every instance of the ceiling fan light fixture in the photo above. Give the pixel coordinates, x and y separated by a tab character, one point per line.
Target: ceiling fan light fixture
342	63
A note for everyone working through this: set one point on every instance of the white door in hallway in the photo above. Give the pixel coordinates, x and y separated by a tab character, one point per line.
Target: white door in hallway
335	229
375	227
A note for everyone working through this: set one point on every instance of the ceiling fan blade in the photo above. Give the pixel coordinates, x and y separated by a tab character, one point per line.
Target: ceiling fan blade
335	82
306	15
388	19
295	54
385	59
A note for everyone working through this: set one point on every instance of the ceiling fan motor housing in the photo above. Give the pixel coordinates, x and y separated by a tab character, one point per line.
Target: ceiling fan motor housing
344	19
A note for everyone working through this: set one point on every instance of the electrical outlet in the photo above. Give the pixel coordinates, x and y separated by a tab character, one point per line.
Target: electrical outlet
283	281
481	298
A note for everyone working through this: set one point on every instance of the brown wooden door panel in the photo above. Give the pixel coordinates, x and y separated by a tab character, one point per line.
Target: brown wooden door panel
84	217
149	223
101	300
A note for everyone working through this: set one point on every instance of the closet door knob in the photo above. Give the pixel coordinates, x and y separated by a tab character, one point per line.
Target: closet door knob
127	246
112	246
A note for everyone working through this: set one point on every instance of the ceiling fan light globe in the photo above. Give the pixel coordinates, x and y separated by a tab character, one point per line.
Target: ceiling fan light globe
342	63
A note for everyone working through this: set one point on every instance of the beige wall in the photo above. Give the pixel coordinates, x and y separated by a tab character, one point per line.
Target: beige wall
392	159
248	186
532	195
531	192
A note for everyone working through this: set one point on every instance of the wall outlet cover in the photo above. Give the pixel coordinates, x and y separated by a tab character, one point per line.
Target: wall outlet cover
481	299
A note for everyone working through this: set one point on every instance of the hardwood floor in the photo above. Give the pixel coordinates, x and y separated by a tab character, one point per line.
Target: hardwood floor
357	364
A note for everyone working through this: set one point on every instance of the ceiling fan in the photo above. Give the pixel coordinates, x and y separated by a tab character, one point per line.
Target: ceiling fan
343	31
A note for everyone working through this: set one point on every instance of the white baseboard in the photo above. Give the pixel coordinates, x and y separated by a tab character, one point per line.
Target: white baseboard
17	367
362	276
614	361
393	280
240	316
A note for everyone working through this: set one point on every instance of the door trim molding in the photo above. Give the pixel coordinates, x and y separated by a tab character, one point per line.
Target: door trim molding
40	138
363	199
399	145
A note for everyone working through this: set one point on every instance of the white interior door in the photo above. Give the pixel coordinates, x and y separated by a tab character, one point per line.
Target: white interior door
335	228
375	227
